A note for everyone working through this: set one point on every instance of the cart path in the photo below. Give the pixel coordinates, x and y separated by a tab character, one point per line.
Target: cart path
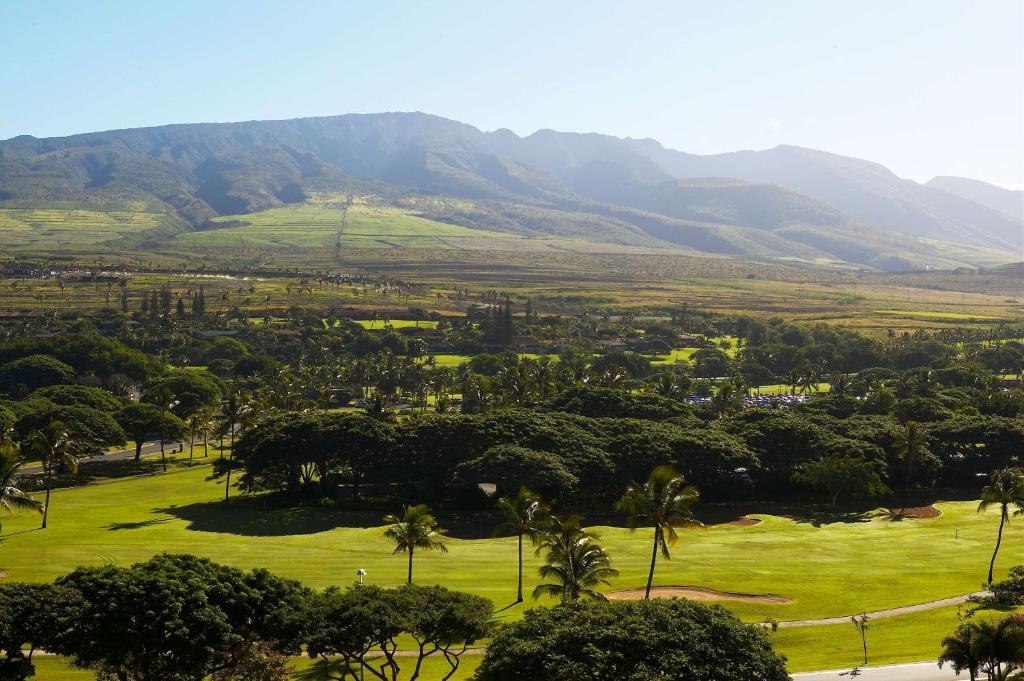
891	612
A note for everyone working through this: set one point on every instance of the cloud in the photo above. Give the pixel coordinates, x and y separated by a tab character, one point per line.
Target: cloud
773	123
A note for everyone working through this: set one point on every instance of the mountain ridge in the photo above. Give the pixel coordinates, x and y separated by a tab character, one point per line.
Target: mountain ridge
201	170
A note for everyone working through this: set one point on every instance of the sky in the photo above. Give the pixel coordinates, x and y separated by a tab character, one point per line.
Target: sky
925	87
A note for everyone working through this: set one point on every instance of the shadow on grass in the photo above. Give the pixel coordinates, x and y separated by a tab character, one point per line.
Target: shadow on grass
140	524
96	471
255	518
820	518
326	670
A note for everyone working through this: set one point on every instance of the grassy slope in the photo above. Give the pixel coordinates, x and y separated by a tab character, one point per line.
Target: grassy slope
313	227
835	569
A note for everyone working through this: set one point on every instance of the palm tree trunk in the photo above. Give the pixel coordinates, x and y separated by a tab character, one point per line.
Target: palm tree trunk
999	540
410	565
46	507
191	447
138	450
519	591
654	559
231	452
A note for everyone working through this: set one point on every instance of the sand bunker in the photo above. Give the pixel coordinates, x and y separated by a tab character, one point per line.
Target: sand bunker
696	593
919	512
744	521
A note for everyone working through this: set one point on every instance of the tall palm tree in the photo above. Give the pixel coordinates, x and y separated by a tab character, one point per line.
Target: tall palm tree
53	446
525	514
664	502
574	560
1005	489
11	497
909	449
231	409
416	529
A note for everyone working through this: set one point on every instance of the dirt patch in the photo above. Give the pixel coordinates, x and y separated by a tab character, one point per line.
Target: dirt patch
696	593
2	574
917	512
744	522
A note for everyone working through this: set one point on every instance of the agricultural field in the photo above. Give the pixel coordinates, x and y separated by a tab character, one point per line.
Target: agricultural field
824	566
74	230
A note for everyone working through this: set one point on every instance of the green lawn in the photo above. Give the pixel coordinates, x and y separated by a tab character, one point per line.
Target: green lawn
828	570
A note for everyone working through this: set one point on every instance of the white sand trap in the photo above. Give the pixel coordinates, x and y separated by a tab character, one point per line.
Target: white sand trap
695	593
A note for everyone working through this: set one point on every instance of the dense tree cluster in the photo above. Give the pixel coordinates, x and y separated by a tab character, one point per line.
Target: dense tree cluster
636	641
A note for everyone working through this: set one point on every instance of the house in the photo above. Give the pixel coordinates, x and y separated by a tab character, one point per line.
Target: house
527	344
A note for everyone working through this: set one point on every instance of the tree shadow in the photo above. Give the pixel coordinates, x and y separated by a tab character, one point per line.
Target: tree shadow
820	518
95	471
140	524
325	670
250	517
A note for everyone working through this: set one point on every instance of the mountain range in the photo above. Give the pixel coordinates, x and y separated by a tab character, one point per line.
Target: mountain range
785	202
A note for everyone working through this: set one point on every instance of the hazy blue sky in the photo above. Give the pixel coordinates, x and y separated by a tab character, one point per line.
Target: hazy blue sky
925	86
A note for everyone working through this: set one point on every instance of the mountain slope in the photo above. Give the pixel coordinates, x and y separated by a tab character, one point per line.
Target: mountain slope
785	202
867	191
1007	201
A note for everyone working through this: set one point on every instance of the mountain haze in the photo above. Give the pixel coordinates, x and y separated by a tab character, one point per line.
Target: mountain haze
786	202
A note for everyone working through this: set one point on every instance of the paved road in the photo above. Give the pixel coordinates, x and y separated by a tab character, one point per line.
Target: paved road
119	455
918	671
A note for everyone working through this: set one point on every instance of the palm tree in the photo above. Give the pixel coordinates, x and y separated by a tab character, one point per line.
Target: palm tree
416	529
961	651
664	501
525	514
909	449
231	410
574	561
1005	489
53	446
11	497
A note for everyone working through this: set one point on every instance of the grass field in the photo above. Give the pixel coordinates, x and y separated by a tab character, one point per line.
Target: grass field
313	227
831	569
73	230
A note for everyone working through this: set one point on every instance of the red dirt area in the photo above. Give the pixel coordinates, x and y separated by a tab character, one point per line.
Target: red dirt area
695	593
916	512
744	521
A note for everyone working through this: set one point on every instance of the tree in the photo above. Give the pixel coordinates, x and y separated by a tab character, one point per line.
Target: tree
860	622
175	618
839	474
525	514
28	621
910	450
55	449
142	421
415	529
443	621
664	502
12	498
574	560
509	466
351	623
93	430
1005	489
995	648
631	641
961	650
23	375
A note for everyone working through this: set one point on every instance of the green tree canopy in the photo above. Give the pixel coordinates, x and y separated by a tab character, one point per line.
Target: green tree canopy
675	640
